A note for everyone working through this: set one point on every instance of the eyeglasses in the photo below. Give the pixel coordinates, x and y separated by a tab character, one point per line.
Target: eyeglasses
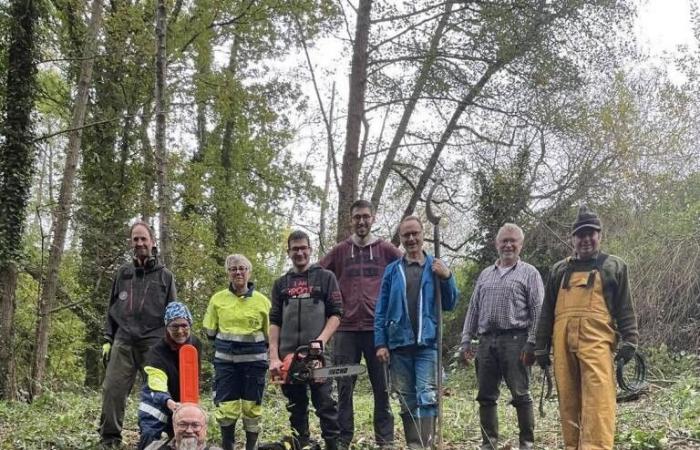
361	217
179	327
241	269
196	426
411	234
301	248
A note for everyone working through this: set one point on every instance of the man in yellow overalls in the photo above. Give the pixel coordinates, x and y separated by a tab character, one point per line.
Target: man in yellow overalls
587	300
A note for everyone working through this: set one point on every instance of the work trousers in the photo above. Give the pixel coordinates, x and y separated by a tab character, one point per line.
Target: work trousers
348	348
497	359
324	403
238	392
125	361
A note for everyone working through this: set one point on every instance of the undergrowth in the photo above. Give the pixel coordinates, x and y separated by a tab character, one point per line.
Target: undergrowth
666	417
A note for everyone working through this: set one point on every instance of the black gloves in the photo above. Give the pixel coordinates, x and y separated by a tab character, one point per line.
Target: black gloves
543	359
626	352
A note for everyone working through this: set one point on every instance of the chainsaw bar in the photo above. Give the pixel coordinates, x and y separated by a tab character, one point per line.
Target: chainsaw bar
339	371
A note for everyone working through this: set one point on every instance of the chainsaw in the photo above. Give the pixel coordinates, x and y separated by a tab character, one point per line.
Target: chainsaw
308	365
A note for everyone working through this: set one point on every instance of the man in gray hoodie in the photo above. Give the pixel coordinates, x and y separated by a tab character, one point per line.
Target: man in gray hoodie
358	263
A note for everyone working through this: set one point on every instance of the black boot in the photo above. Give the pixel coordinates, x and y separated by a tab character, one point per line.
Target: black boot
427	432
331	444
228	436
488	416
526	425
411	430
251	440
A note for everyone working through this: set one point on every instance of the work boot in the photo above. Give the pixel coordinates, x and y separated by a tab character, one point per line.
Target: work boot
526	425
427	432
228	436
411	430
251	440
331	444
488	417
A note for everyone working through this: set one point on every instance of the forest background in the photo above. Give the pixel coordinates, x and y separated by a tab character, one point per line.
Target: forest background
220	123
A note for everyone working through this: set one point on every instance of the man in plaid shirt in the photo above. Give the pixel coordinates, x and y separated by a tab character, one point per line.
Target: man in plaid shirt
503	315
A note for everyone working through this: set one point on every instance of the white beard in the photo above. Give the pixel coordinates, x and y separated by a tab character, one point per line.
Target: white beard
190	443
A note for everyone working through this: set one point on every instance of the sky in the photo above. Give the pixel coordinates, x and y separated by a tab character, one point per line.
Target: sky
662	26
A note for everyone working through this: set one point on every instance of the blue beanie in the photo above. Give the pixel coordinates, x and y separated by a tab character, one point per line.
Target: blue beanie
177	310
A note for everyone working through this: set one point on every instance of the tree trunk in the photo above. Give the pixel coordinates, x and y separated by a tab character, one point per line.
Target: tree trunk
221	224
8	285
161	153
16	163
148	207
410	106
322	228
61	214
356	109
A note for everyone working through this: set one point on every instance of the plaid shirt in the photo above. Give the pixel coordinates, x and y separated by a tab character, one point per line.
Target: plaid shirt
504	301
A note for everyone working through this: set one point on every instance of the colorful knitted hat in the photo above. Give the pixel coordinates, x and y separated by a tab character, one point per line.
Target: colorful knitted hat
177	310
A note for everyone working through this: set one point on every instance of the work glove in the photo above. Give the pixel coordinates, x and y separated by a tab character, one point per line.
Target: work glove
626	352
106	350
527	354
543	359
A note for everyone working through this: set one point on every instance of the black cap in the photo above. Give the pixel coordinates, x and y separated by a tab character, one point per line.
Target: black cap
586	219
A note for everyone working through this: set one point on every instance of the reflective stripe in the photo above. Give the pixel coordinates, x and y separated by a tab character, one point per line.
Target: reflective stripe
258	336
152	410
241	358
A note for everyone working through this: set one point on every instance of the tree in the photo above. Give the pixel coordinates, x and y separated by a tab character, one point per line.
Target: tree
347	192
160	151
16	165
61	214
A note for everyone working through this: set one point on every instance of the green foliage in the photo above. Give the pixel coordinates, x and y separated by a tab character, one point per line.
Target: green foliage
502	195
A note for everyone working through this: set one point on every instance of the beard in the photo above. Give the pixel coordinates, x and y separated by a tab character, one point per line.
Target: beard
189	443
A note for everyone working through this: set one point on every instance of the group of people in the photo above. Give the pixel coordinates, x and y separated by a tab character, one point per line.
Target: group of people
374	302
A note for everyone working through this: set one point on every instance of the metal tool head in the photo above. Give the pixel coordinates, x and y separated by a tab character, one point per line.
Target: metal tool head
432	217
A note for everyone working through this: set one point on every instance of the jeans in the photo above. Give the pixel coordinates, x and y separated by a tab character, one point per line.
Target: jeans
413	375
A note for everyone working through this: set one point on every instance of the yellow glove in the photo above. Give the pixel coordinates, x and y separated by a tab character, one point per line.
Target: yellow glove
106	350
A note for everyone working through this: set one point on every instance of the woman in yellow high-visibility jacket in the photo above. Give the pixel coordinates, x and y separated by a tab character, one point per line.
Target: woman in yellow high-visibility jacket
237	320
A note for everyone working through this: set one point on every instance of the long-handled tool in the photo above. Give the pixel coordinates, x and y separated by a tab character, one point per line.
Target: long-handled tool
435	220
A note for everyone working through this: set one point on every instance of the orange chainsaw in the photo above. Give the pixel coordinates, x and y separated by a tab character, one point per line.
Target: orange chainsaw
308	365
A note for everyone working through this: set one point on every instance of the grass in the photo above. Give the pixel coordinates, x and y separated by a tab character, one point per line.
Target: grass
667	417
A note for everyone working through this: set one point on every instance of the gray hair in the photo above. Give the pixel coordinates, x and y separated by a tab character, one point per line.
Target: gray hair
238	258
511	227
191	405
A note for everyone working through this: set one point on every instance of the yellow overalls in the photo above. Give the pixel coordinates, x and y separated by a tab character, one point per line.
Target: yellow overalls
583	343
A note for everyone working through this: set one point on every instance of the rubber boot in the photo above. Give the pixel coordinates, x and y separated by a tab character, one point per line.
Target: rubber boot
427	432
251	440
488	416
411	430
331	444
526	425
228	436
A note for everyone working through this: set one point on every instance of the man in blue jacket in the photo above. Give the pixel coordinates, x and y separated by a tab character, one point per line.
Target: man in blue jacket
405	330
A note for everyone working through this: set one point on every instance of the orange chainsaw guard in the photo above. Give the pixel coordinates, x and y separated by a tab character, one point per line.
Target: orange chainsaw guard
189	374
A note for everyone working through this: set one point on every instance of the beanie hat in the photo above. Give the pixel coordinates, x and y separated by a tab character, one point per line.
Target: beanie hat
586	219
177	310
